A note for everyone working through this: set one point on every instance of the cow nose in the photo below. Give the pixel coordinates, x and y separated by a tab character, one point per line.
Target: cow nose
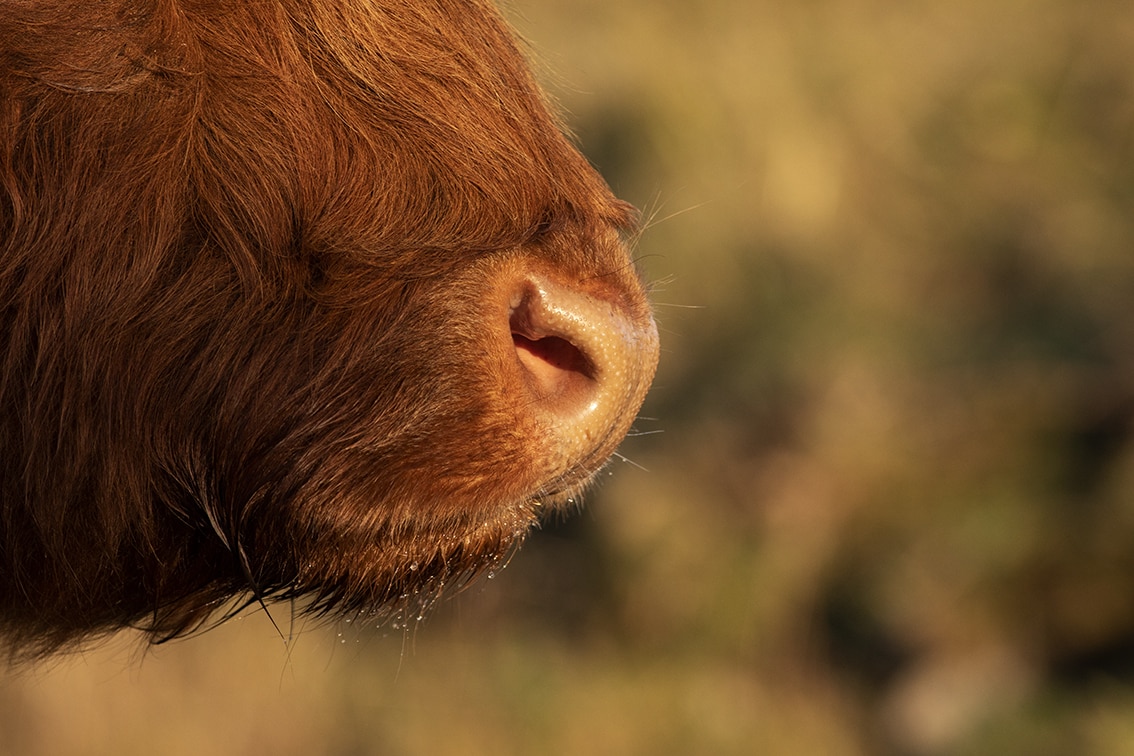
585	362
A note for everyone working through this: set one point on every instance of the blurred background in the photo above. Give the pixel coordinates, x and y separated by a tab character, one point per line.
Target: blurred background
882	499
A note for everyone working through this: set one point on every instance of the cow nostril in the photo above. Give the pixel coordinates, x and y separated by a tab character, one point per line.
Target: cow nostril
556	369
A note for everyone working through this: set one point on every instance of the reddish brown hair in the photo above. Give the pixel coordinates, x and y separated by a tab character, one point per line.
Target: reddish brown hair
245	254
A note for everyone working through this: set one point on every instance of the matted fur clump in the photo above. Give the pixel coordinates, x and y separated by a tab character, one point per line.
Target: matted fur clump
299	299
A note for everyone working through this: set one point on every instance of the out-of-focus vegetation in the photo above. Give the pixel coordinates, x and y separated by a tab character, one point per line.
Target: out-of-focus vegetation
890	509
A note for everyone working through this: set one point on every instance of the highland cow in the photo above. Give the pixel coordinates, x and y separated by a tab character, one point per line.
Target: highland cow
302	300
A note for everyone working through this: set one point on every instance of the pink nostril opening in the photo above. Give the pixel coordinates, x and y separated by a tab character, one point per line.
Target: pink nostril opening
555	366
554	352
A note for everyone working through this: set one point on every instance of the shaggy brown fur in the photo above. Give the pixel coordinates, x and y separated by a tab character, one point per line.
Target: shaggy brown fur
244	251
